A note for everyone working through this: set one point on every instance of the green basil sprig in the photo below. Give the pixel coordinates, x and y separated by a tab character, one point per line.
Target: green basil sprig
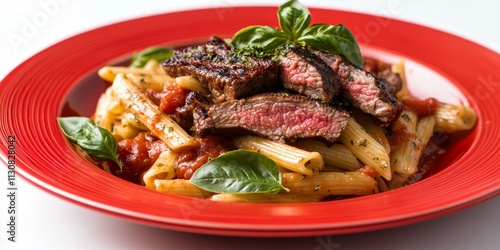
153	53
96	141
239	171
294	20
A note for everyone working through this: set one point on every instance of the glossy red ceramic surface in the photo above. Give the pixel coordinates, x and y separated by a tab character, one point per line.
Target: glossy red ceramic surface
59	81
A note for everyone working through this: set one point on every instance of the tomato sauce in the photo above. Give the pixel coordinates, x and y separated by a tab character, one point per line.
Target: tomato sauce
137	155
369	171
169	99
422	108
193	158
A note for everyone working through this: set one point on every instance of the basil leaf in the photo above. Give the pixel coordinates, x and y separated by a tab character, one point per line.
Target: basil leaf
96	141
262	38
335	39
154	53
294	18
239	171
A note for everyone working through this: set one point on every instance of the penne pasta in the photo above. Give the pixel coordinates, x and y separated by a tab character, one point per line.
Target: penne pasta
451	117
330	183
163	168
149	114
154	67
409	151
192	84
108	110
286	156
372	128
332	169
406	154
382	185
181	187
129	119
399	68
425	130
336	155
150	81
365	148
122	131
398	180
109	73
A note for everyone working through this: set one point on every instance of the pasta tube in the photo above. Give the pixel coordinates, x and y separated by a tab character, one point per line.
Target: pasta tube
372	128
163	168
398	180
405	166
150	115
330	183
148	81
130	119
181	187
399	68
192	84
425	130
122	131
284	155
109	73
154	67
451	118
108	109
365	148
336	155
406	154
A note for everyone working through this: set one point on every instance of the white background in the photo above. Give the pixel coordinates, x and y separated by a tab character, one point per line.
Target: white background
47	222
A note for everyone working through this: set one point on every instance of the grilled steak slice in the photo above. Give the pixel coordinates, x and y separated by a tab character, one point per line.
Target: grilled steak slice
226	74
276	116
305	73
184	114
363	89
392	81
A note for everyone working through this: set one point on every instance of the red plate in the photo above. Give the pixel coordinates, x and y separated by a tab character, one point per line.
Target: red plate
56	81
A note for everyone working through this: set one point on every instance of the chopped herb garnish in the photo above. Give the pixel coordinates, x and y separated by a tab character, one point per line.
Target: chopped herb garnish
362	143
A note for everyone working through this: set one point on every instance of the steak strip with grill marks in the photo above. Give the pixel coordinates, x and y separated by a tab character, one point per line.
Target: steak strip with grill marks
304	72
363	89
227	75
276	116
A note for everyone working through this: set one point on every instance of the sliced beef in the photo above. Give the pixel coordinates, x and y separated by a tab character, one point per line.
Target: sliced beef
226	74
383	71
391	80
184	114
305	73
363	89
276	116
